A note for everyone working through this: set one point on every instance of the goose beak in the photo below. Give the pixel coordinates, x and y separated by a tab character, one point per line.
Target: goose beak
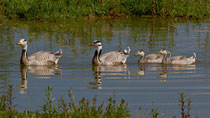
136	53
90	44
159	52
19	43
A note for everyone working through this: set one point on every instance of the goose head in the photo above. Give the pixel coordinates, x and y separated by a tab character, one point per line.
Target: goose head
23	43
140	52
163	51
97	44
127	51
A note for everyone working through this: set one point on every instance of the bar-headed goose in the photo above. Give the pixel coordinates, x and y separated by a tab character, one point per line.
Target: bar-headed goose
167	59
39	58
109	58
150	58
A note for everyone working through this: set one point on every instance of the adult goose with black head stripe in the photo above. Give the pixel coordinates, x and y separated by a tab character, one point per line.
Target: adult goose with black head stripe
109	58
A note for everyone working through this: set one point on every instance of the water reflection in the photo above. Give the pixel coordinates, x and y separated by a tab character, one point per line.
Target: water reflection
36	70
178	36
165	69
97	77
110	71
141	70
164	73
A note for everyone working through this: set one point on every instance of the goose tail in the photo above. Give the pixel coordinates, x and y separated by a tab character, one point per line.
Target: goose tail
58	53
127	50
192	58
194	55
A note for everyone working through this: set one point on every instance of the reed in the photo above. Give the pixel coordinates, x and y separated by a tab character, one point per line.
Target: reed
68	9
184	107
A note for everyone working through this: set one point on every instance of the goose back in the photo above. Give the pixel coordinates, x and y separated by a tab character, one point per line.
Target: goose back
153	58
113	58
44	58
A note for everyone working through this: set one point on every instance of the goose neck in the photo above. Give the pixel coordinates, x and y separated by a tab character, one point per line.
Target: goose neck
165	58
24	59
96	57
143	58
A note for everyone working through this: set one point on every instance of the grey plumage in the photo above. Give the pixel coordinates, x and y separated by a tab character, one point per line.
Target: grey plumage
150	58
176	59
39	58
109	58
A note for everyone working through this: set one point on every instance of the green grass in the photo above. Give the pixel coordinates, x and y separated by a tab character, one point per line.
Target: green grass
67	9
83	109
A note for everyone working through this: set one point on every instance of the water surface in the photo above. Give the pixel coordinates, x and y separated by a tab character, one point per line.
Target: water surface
141	85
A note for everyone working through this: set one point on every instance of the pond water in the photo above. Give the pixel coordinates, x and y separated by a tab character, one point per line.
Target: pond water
147	86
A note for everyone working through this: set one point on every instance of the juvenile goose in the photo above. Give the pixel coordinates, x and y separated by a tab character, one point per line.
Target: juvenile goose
167	59
109	58
39	58
150	58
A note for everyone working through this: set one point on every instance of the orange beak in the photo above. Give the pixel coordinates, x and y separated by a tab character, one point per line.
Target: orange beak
19	43
90	44
159	52
136	53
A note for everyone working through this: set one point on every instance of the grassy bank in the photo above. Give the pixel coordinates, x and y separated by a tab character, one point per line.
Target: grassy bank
67	9
83	109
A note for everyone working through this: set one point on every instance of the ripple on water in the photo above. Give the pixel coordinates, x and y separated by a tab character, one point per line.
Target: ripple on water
142	85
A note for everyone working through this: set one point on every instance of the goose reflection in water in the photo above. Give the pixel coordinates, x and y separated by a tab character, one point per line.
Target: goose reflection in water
36	70
165	69
143	67
100	71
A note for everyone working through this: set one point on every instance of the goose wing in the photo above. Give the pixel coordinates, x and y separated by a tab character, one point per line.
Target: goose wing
178	58
153	56
183	59
42	56
113	57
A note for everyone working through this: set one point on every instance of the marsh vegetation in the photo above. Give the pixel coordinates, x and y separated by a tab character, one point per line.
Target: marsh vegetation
83	109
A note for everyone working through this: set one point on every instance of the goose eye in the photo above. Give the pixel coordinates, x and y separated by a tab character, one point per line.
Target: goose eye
24	40
96	42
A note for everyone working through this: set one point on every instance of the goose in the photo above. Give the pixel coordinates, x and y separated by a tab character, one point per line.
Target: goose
39	58
109	58
167	59
150	58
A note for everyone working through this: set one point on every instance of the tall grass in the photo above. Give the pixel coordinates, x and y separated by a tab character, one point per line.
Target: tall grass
83	109
185	107
67	9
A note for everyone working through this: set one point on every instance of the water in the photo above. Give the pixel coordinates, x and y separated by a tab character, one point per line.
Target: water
147	86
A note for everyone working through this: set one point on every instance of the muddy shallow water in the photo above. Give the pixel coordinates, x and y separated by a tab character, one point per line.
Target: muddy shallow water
141	85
